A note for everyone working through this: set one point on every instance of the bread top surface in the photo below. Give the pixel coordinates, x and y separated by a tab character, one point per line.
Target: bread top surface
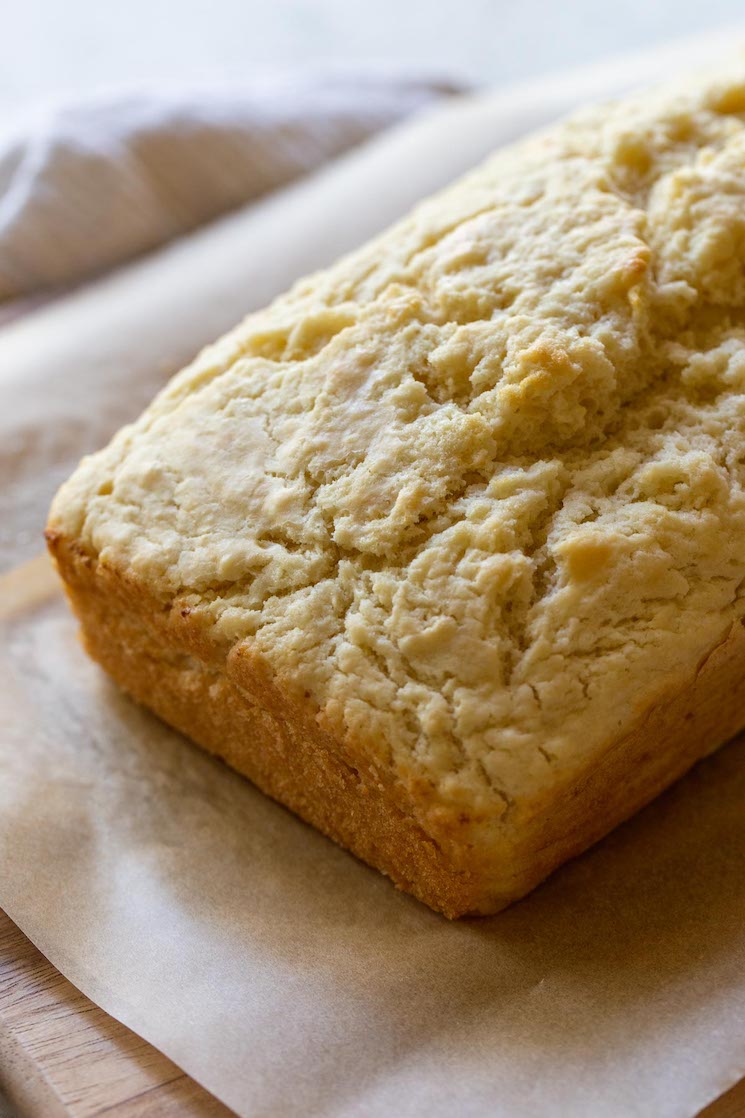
475	492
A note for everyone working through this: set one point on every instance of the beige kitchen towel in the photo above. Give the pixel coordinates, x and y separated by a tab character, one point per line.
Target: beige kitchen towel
85	186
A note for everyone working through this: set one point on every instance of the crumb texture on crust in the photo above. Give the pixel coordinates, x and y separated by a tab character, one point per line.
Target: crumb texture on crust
475	493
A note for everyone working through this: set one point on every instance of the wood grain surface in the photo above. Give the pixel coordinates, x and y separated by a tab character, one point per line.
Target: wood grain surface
63	1057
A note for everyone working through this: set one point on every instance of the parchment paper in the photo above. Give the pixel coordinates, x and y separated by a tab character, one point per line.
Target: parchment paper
274	968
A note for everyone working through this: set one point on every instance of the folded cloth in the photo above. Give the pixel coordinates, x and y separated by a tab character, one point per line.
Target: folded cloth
86	186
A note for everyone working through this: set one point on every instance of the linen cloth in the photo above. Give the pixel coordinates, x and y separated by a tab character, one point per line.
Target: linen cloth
86	186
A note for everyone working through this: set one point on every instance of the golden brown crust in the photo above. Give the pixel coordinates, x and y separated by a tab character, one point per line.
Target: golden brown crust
165	661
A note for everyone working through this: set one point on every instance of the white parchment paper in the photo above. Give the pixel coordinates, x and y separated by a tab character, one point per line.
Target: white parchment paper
274	968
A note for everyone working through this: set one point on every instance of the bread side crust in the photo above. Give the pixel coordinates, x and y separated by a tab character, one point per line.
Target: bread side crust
230	707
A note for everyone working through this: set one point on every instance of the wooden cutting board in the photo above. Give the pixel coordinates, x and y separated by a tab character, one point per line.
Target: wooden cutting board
63	1057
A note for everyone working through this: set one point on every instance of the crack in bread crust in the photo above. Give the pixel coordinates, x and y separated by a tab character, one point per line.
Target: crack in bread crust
227	703
472	501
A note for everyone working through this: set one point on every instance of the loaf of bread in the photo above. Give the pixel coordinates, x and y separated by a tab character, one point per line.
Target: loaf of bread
445	549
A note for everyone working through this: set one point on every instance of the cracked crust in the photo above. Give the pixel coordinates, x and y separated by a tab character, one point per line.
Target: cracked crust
227	704
469	506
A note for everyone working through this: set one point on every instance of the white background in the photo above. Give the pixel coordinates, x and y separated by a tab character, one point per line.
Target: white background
72	47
